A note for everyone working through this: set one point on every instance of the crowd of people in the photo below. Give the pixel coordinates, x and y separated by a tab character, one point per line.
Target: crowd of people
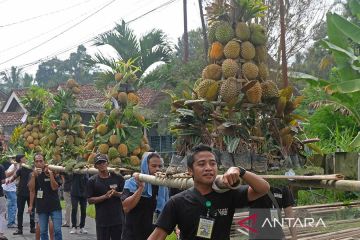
131	209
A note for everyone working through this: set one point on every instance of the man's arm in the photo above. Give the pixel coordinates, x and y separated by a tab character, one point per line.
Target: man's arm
130	202
99	199
158	234
12	169
31	186
258	187
53	183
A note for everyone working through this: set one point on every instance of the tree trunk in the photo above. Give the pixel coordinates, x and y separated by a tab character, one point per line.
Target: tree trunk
185	37
283	44
206	43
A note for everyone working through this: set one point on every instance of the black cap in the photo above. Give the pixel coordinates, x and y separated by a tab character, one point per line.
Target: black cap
19	157
100	158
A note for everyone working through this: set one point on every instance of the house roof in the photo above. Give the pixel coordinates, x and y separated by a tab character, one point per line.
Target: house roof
10	118
149	96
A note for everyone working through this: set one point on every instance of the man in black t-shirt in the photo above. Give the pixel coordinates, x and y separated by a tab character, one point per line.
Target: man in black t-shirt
23	194
78	196
2	204
266	209
104	190
44	185
201	212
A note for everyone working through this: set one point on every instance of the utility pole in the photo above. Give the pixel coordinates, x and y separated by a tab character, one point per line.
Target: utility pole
283	44
185	36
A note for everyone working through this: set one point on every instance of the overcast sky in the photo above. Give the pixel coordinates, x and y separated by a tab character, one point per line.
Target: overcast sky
27	24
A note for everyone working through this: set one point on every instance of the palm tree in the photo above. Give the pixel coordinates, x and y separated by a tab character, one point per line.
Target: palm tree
12	79
151	48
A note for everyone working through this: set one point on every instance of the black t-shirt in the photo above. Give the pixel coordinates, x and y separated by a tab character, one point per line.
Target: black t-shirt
78	185
142	213
50	200
2	177
109	212
67	182
185	208
22	188
261	207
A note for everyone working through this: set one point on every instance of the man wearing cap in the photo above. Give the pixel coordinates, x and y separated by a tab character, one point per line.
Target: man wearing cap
104	190
23	194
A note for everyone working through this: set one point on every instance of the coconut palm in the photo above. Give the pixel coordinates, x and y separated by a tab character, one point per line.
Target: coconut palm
12	79
151	48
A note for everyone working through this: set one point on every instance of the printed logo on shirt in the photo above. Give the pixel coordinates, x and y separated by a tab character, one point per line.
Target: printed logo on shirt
278	195
47	179
222	211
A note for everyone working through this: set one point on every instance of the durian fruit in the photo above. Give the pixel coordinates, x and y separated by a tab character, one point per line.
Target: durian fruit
113	153
136	151
230	68
102	129
115	113
258	34
114	140
103	148
263	71
249	70
260	54
269	90
134	160
122	97
118	76
133	98
116	161
242	31
100	116
91	158
253	95
216	51
123	150
211	31
212	92
232	49
247	50
76	90
212	71
230	89
224	32
203	87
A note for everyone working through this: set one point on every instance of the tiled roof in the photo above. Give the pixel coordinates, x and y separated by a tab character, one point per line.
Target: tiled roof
89	91
10	118
149	96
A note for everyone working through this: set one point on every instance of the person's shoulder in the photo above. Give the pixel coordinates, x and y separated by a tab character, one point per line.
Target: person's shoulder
117	176
93	178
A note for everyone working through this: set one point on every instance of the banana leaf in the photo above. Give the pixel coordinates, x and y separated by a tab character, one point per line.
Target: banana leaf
346	86
354	6
349	29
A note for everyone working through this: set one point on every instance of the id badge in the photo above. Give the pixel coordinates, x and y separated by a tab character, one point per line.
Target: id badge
39	194
274	214
113	186
155	217
205	227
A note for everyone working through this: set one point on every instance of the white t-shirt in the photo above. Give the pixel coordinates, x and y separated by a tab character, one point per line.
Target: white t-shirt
10	187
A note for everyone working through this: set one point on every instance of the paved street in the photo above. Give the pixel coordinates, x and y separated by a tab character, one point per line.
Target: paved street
89	226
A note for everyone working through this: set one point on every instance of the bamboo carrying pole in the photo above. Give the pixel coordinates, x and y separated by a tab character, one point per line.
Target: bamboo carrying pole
320	181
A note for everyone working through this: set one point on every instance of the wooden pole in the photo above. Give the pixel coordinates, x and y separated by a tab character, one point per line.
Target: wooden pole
186	36
344	185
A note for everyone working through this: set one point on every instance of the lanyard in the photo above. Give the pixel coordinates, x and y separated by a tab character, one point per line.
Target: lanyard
208	206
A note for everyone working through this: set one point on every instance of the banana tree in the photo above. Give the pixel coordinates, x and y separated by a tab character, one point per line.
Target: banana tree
344	89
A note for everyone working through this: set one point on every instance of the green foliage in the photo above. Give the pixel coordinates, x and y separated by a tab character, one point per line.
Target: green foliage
151	48
35	100
325	120
323	196
55	71
13	79
249	9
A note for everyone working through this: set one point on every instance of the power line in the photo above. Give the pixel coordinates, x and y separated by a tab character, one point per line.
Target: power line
42	15
91	38
57	35
43	33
